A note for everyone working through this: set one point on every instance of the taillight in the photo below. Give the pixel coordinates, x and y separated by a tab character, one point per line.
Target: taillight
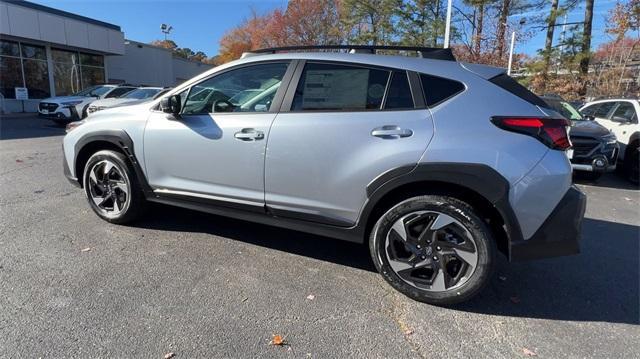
550	131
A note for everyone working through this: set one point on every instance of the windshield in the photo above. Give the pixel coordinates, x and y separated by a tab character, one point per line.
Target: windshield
140	94
93	91
565	109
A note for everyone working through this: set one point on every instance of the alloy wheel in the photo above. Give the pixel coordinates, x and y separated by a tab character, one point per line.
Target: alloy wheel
108	188
431	251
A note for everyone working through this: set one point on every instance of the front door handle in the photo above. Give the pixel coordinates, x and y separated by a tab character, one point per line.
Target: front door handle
391	132
249	134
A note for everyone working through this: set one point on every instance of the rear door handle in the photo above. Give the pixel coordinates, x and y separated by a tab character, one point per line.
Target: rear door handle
391	132
249	134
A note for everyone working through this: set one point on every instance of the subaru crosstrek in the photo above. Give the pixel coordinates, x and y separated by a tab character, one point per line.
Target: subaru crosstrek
64	109
437	165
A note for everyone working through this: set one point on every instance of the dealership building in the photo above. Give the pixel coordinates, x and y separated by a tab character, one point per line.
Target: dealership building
56	53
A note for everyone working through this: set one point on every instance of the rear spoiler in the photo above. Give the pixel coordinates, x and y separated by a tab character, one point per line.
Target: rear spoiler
484	71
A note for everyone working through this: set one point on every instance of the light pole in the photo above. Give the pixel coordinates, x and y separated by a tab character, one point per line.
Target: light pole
513	44
447	26
166	29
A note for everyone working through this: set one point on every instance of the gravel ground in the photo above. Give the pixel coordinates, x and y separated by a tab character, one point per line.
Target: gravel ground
200	285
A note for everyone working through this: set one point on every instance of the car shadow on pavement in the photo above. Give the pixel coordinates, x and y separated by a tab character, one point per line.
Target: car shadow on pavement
613	180
15	127
600	284
170	218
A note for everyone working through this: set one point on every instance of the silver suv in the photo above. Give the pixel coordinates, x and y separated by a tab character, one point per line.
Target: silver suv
437	165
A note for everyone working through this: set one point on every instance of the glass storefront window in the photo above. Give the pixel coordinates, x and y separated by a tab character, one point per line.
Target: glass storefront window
36	77
10	76
33	52
75	71
9	48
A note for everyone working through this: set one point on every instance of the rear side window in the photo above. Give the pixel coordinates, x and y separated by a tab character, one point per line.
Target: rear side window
340	87
507	83
399	92
437	89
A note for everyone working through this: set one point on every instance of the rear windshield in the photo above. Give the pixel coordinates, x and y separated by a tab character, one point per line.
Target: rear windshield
507	83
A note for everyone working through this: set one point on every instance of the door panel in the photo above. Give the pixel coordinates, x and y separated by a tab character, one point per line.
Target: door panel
319	164
200	153
215	149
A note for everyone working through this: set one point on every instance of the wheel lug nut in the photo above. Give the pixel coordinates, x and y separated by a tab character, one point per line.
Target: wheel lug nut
438	248
423	257
418	246
435	258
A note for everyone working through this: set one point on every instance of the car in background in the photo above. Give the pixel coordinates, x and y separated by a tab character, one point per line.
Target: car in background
64	109
595	148
621	117
138	95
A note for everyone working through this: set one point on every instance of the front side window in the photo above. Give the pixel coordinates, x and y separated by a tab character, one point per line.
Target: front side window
340	87
246	89
626	111
590	110
604	109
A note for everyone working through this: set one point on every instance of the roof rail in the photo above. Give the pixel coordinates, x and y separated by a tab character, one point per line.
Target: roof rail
424	52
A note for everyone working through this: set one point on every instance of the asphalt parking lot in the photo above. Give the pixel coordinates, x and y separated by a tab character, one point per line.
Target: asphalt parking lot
199	285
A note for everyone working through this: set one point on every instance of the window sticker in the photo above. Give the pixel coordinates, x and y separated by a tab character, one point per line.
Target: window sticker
335	89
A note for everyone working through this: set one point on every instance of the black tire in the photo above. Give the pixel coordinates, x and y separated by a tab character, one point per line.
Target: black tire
131	205
466	217
632	162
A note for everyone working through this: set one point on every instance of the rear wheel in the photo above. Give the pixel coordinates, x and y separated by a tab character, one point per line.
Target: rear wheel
111	187
434	249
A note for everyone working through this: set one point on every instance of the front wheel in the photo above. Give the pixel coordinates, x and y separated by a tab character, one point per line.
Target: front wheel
434	249
112	188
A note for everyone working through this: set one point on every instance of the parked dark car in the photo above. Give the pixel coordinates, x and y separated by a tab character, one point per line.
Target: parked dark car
595	148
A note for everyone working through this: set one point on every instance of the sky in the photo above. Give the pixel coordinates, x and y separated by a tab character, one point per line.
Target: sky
199	24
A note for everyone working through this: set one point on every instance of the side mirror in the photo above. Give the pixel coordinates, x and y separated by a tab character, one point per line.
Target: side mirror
619	119
171	104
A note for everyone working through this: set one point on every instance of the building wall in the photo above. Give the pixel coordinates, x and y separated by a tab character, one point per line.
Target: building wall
31	21
149	65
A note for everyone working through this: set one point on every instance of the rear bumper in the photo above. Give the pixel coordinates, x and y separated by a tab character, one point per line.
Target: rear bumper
559	235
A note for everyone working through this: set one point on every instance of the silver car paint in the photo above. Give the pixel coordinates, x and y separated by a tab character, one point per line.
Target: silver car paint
200	154
462	132
321	162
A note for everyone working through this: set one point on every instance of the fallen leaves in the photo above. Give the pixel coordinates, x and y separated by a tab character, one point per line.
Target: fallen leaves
169	355
311	297
277	340
19	161
85	249
408	332
528	352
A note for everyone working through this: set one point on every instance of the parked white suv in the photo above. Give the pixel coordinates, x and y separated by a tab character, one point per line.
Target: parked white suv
64	109
136	96
621	117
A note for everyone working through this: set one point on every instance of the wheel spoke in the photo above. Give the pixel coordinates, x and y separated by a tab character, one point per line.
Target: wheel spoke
439	282
471	258
121	185
99	201
116	204
400	229
108	166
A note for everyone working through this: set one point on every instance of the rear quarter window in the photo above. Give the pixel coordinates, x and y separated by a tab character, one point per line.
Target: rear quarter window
438	89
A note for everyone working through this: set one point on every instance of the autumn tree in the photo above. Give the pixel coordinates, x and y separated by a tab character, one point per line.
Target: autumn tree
368	21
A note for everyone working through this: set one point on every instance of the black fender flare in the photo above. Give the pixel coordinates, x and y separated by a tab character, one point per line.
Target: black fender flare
479	178
122	140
